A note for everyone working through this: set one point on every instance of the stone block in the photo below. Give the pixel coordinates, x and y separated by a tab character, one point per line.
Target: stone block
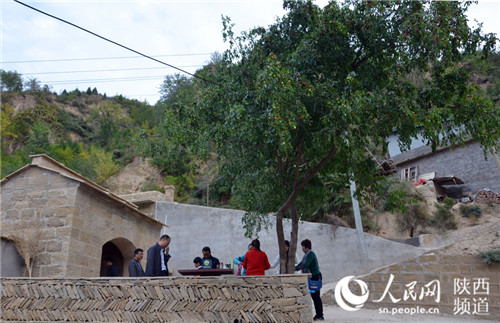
10	215
415	268
54	246
57	192
295	279
283	301
39	180
56	222
58	202
36	192
59	258
48	233
63	232
432	267
51	271
428	258
37	203
291	292
410	278
65	211
430	277
18	205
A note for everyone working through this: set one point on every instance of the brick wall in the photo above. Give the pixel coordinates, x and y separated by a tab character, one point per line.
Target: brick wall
445	268
182	299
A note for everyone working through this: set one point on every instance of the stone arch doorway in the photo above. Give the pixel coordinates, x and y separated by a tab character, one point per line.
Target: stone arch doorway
121	250
12	264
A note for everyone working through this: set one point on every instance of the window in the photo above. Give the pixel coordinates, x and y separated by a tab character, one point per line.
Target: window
409	174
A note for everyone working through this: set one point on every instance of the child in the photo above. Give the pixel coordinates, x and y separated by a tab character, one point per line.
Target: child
197	263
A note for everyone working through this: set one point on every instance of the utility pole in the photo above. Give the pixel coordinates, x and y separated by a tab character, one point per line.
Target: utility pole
357	220
208	193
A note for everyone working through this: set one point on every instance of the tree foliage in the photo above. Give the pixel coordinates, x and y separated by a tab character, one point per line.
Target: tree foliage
303	98
11	81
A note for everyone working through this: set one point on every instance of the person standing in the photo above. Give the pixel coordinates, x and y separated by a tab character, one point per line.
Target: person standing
112	270
135	267
239	262
276	262
309	264
158	256
256	262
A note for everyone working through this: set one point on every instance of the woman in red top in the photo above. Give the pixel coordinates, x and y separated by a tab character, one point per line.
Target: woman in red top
256	262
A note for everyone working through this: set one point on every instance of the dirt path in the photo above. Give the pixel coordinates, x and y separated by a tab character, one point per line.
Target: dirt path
338	315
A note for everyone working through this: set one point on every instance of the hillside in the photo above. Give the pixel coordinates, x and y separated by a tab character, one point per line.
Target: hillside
98	136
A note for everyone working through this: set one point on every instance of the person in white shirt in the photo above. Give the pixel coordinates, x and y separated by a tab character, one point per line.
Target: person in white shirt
276	262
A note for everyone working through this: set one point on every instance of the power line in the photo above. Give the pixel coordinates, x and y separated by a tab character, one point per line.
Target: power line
98	58
112	70
113	42
119	79
190	195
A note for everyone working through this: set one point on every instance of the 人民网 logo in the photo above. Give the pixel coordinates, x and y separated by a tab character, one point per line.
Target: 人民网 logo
346	299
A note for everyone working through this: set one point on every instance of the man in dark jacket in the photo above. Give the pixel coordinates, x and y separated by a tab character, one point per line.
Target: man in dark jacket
112	270
135	267
158	258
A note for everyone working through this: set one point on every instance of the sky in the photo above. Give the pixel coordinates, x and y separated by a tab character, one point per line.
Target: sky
180	33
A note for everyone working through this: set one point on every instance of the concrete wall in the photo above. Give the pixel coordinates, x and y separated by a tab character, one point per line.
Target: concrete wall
339	253
167	299
98	220
467	163
35	202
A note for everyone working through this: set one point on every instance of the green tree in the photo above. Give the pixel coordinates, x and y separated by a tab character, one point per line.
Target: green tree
110	117
33	85
11	81
302	99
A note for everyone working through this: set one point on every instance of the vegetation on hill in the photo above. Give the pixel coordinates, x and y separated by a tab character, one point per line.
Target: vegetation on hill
88	132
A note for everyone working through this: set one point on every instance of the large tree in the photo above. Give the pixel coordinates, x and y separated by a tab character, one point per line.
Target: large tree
301	100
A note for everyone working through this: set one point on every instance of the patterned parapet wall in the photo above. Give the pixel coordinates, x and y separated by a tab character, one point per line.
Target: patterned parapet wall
280	298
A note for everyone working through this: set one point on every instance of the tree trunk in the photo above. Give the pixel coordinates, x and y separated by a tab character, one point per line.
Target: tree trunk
281	240
290	205
293	240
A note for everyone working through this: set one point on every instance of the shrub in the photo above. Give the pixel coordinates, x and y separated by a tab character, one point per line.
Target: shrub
470	210
491	256
443	218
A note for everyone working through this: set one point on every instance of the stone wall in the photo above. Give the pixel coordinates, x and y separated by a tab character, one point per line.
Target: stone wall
40	202
98	220
453	272
181	299
70	221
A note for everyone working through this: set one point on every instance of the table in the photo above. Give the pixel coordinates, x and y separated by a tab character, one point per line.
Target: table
206	272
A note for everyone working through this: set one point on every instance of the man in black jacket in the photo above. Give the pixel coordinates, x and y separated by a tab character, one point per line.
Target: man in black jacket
158	258
135	267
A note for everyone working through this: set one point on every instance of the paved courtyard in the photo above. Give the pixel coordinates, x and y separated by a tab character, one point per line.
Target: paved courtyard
338	315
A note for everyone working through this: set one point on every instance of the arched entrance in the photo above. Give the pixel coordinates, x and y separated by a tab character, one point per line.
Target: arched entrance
12	264
121	250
